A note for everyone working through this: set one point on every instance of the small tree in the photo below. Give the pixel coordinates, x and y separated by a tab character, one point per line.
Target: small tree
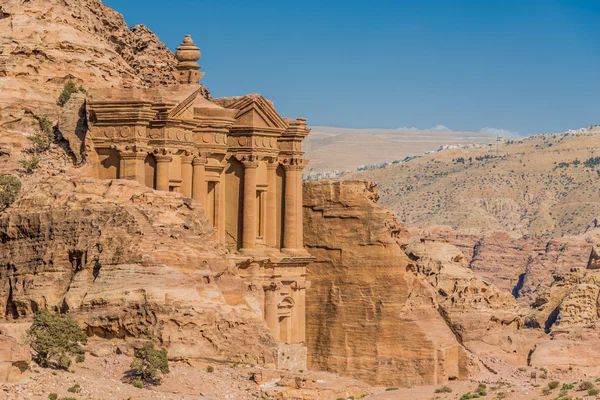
10	186
148	362
68	91
55	339
46	127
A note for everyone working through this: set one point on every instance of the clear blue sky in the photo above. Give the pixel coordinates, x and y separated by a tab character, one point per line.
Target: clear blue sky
525	65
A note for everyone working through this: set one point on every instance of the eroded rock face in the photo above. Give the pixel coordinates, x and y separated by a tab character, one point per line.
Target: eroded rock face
47	43
14	360
485	319
369	316
130	263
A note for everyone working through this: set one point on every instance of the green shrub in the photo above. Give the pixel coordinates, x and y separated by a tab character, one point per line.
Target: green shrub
585	385
46	128
209	369
68	91
444	389
148	362
10	186
55	339
39	144
391	388
470	395
593	391
138	383
79	358
568	386
74	389
553	385
52	396
30	164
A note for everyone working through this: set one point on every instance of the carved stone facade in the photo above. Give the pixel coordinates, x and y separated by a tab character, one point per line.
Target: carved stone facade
237	156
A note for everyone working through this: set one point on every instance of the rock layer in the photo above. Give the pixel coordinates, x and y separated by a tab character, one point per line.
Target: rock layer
130	263
369	316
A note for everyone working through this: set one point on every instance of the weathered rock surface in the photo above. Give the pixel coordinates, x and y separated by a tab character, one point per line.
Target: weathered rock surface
130	263
14	360
47	43
371	315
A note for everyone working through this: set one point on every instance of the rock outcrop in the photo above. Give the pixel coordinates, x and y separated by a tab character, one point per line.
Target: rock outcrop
130	263
370	316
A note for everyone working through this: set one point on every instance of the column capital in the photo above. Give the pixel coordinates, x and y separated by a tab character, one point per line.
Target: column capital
132	155
187	158
272	286
247	157
161	151
294	164
300	285
163	158
272	163
250	164
199	160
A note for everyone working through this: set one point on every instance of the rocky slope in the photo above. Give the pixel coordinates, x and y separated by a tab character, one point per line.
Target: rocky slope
130	263
537	186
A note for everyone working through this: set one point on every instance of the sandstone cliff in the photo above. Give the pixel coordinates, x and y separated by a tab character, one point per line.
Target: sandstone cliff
130	263
369	316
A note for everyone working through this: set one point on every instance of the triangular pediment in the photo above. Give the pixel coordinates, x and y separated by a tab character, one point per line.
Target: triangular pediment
256	111
185	109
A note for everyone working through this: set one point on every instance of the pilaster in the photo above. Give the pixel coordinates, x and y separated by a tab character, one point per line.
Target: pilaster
162	170
186	174
271	310
133	165
290	220
271	209
199	187
249	206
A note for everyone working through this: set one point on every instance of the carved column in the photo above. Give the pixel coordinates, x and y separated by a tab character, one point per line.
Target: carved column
249	206
186	174
299	213
299	311
162	171
133	166
290	219
199	187
271	311
220	206
271	209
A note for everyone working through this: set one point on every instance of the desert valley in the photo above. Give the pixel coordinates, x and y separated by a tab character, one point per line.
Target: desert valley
158	242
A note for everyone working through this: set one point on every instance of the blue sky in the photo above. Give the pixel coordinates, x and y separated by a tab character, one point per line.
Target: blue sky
526	66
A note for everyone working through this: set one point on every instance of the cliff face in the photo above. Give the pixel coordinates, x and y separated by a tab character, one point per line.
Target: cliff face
130	263
369	316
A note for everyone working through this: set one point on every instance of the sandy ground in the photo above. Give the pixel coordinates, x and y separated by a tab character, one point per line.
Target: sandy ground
103	378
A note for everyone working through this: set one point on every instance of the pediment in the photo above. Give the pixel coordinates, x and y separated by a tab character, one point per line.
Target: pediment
258	112
185	109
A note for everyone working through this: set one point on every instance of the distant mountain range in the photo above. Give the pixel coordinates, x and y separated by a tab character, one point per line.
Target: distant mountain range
331	148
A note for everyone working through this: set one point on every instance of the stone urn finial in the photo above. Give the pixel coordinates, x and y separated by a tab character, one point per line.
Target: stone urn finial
187	56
